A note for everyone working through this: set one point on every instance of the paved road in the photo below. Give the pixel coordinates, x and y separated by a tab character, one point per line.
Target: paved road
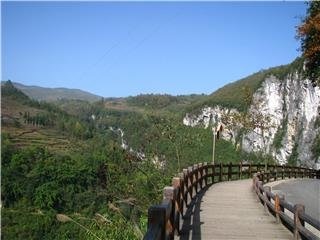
304	191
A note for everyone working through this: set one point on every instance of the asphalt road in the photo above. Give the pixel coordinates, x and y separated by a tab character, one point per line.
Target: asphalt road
303	191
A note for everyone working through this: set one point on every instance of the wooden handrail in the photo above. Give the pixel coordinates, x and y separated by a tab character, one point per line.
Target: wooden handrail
164	219
277	205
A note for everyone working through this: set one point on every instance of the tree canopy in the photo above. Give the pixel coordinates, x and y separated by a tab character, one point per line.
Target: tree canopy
309	34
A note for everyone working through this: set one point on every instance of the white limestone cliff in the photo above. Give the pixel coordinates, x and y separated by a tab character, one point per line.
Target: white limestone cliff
292	105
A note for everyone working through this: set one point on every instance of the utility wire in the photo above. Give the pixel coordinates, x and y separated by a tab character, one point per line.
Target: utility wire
108	51
136	46
143	40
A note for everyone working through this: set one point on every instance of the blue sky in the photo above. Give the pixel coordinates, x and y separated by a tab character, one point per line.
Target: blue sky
121	49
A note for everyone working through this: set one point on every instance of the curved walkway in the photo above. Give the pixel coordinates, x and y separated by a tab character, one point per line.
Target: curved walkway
230	210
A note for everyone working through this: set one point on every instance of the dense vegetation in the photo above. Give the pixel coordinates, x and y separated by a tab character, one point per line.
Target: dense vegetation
309	34
65	174
89	170
81	170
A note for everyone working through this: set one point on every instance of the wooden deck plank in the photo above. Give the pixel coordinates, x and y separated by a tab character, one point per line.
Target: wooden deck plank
230	210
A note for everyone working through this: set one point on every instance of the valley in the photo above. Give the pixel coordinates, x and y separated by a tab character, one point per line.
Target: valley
103	163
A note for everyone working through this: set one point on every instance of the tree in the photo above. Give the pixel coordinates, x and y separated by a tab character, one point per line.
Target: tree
309	34
252	121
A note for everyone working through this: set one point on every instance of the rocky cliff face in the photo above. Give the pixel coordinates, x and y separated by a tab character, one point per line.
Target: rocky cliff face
215	116
291	105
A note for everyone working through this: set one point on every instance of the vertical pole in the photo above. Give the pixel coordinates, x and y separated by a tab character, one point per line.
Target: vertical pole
221	172
289	170
298	209
168	194
230	171
177	202
277	207
200	175
213	173
196	177
157	216
213	143
190	177
181	176
267	197
268	176
205	173
186	185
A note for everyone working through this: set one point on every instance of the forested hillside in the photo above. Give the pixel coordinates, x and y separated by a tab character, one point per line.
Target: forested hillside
80	170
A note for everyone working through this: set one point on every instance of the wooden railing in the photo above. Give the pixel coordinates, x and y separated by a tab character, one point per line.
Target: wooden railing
164	219
291	216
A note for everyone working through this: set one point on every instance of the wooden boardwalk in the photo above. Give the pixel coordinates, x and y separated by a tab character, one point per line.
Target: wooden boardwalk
230	210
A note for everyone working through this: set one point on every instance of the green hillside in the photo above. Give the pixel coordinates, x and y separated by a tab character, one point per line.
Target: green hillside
67	158
63	159
232	94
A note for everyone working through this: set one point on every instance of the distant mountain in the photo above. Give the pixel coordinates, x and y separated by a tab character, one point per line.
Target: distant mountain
53	94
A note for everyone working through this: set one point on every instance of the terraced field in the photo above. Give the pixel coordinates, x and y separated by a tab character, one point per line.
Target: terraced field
23	134
29	135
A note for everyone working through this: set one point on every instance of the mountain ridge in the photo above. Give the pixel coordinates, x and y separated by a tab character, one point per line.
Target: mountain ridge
53	94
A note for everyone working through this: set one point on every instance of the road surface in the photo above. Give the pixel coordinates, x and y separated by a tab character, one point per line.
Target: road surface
303	191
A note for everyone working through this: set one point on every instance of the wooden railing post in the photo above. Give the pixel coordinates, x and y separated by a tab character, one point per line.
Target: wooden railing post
267	190
268	176
176	182
182	191
196	177
282	172
254	180
308	173
213	173
186	185
259	190
190	177
289	170
298	209
200	175
230	171
168	194
277	206
205	173
221	172
157	217
262	176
